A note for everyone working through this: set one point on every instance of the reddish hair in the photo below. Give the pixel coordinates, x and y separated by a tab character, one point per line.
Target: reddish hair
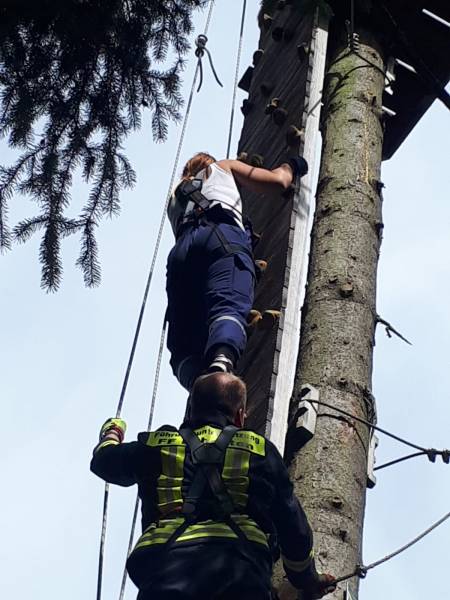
194	165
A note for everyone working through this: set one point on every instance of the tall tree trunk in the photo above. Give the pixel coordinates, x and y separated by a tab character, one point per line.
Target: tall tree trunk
339	316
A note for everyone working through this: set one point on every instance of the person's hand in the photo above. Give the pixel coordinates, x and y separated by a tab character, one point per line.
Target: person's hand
320	586
116	427
298	165
287	591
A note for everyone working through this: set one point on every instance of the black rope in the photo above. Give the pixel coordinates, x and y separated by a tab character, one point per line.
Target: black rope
369	424
200	42
361	570
352	36
149	426
142	310
399	460
236	77
431	453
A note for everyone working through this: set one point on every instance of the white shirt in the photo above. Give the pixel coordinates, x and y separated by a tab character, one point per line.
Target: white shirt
220	187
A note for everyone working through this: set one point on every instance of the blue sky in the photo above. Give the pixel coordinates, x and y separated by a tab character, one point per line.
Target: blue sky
64	357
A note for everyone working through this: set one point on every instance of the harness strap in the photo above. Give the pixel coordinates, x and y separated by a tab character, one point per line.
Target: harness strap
192	190
207	458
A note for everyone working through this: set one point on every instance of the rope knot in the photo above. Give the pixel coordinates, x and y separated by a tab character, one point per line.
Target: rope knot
200	42
431	454
361	571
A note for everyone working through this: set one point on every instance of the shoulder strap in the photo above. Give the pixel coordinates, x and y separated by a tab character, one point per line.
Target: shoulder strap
207	459
191	188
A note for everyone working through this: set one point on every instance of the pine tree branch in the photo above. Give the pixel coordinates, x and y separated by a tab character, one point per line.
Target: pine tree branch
71	72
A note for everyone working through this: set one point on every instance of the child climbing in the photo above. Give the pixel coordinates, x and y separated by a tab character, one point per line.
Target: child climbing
210	270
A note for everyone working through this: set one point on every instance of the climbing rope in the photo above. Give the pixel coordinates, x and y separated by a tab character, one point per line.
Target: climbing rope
144	302
361	570
432	453
200	42
236	77
149	426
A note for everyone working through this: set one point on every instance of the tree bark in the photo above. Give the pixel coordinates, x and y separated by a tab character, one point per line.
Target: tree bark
339	316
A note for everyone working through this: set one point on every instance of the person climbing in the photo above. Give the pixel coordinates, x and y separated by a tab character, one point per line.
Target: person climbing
210	270
217	503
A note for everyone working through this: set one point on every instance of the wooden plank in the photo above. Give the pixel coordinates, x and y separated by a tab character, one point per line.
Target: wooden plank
296	268
282	222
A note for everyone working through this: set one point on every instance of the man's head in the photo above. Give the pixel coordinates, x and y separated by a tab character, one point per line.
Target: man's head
221	392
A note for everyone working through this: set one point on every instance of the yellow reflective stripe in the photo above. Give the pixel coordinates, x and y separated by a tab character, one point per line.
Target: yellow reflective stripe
164	438
207	434
171	478
298	565
244	440
106	443
250	441
235	475
203	530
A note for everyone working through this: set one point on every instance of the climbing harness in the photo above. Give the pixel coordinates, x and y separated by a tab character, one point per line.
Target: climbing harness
200	42
207	458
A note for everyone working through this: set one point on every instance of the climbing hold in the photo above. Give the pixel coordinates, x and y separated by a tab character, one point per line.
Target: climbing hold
267	21
279	115
294	135
266	88
277	34
261	266
246	80
246	107
257	56
256	160
303	51
269	318
243	157
273	104
253	318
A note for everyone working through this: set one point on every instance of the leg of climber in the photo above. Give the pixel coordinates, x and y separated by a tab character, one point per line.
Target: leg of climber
229	298
186	312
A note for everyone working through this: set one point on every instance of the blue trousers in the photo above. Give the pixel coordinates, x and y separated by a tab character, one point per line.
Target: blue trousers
210	292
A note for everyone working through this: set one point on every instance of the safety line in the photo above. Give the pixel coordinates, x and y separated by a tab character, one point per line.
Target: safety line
142	310
371	425
399	460
361	570
149	426
236	77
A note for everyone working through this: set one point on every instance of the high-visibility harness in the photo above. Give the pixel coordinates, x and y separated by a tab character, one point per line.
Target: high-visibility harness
216	463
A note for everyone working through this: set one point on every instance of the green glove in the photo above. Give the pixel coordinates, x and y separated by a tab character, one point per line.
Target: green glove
118	426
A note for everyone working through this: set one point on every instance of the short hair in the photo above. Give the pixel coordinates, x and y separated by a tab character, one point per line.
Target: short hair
221	392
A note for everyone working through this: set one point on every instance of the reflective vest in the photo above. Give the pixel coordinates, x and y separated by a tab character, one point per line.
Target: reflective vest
176	525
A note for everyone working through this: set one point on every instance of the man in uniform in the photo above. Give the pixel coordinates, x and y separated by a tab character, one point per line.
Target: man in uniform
217	503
